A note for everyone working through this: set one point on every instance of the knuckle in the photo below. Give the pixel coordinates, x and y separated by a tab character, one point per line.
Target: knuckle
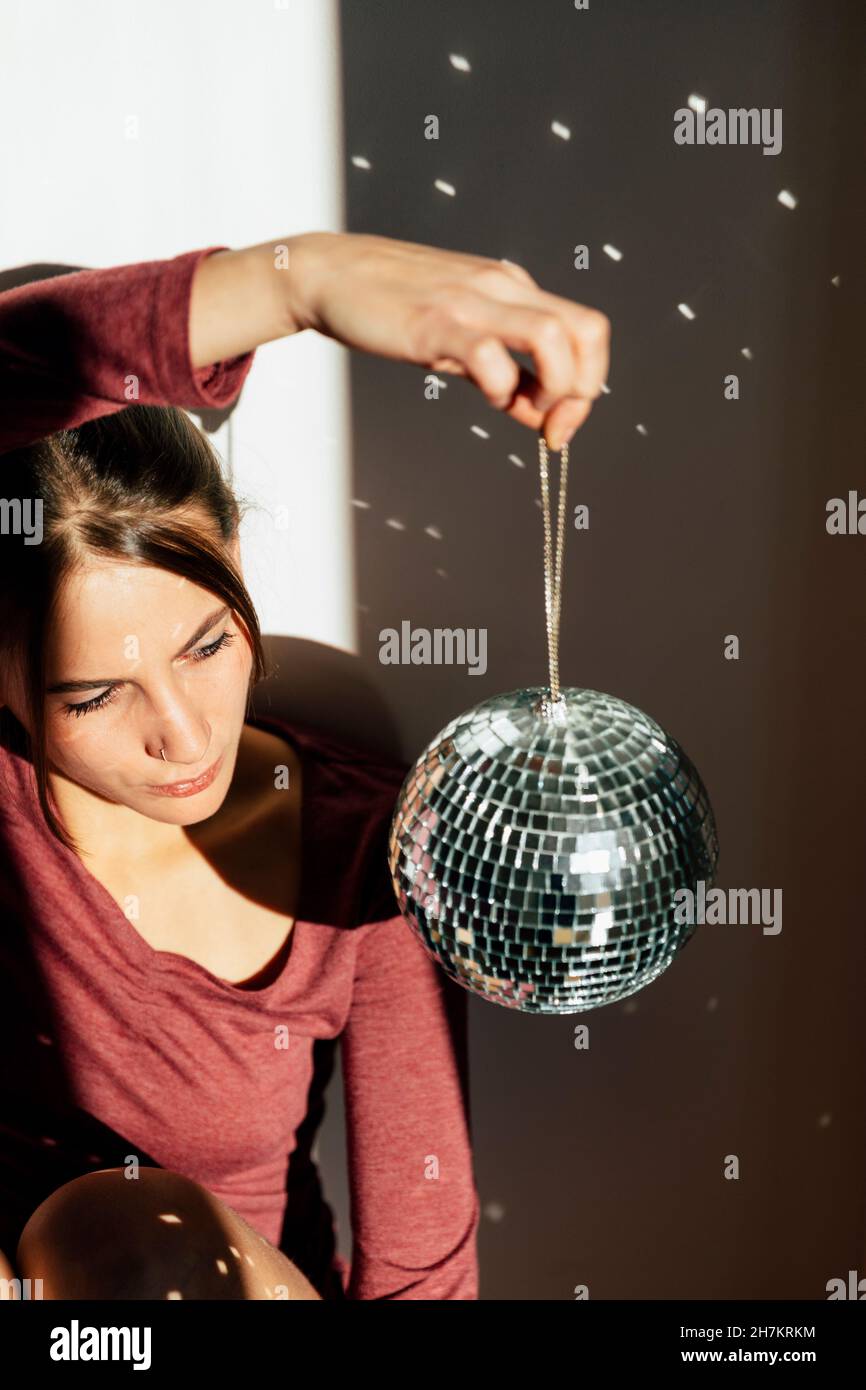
487	278
518	272
484	351
497	274
596	328
549	330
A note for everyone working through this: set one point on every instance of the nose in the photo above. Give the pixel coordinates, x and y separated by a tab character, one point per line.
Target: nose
179	735
174	748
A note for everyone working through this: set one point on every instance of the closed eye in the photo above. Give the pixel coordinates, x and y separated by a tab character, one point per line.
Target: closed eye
97	702
202	653
105	698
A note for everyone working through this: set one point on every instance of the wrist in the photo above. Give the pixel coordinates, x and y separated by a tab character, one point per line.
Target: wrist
238	301
300	262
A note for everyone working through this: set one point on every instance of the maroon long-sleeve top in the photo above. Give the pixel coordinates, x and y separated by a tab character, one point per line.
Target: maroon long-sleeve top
121	1049
76	346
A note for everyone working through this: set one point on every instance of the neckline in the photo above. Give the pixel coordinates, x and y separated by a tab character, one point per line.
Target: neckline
152	958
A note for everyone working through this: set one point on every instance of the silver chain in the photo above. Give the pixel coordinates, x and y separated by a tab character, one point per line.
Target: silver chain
553	572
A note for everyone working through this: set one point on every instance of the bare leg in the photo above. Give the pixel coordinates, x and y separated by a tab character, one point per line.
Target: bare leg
160	1235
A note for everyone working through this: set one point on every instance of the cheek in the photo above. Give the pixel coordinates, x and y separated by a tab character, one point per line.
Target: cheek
86	752
222	682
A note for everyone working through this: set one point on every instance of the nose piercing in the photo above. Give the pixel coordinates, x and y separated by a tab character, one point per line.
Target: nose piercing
162	755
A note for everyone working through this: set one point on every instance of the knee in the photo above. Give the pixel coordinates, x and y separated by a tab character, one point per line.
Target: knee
156	1235
106	1235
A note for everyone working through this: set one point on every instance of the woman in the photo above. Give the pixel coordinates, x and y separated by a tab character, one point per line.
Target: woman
196	903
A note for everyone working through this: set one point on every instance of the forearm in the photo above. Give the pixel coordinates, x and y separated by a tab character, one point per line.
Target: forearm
241	299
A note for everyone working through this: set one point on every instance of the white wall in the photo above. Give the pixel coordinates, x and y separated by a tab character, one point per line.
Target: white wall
137	129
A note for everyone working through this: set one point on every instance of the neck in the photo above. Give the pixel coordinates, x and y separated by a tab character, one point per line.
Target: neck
96	823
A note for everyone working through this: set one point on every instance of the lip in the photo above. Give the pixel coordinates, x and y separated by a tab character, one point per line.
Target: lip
191	787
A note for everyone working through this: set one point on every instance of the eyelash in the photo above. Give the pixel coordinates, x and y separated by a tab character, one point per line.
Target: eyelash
100	701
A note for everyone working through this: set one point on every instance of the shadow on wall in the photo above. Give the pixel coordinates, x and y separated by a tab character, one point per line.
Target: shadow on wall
329	689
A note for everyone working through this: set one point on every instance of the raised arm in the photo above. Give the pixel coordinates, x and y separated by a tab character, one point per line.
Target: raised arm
182	331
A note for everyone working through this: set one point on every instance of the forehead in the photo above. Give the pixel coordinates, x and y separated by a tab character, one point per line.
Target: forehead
106	599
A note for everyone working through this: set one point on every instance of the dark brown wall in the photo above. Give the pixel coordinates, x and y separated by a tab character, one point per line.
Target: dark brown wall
606	1167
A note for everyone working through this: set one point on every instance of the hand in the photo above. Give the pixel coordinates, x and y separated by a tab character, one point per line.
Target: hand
456	313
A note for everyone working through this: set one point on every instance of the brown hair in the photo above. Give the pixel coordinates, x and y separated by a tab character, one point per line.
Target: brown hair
132	486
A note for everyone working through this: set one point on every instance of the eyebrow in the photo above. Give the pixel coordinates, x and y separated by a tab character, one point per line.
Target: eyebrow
210	621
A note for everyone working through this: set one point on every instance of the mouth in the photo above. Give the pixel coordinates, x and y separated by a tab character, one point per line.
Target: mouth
193	786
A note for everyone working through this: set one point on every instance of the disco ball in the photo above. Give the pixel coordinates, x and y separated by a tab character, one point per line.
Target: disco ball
537	857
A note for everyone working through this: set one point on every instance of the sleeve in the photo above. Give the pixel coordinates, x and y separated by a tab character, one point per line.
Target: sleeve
87	343
413	1201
